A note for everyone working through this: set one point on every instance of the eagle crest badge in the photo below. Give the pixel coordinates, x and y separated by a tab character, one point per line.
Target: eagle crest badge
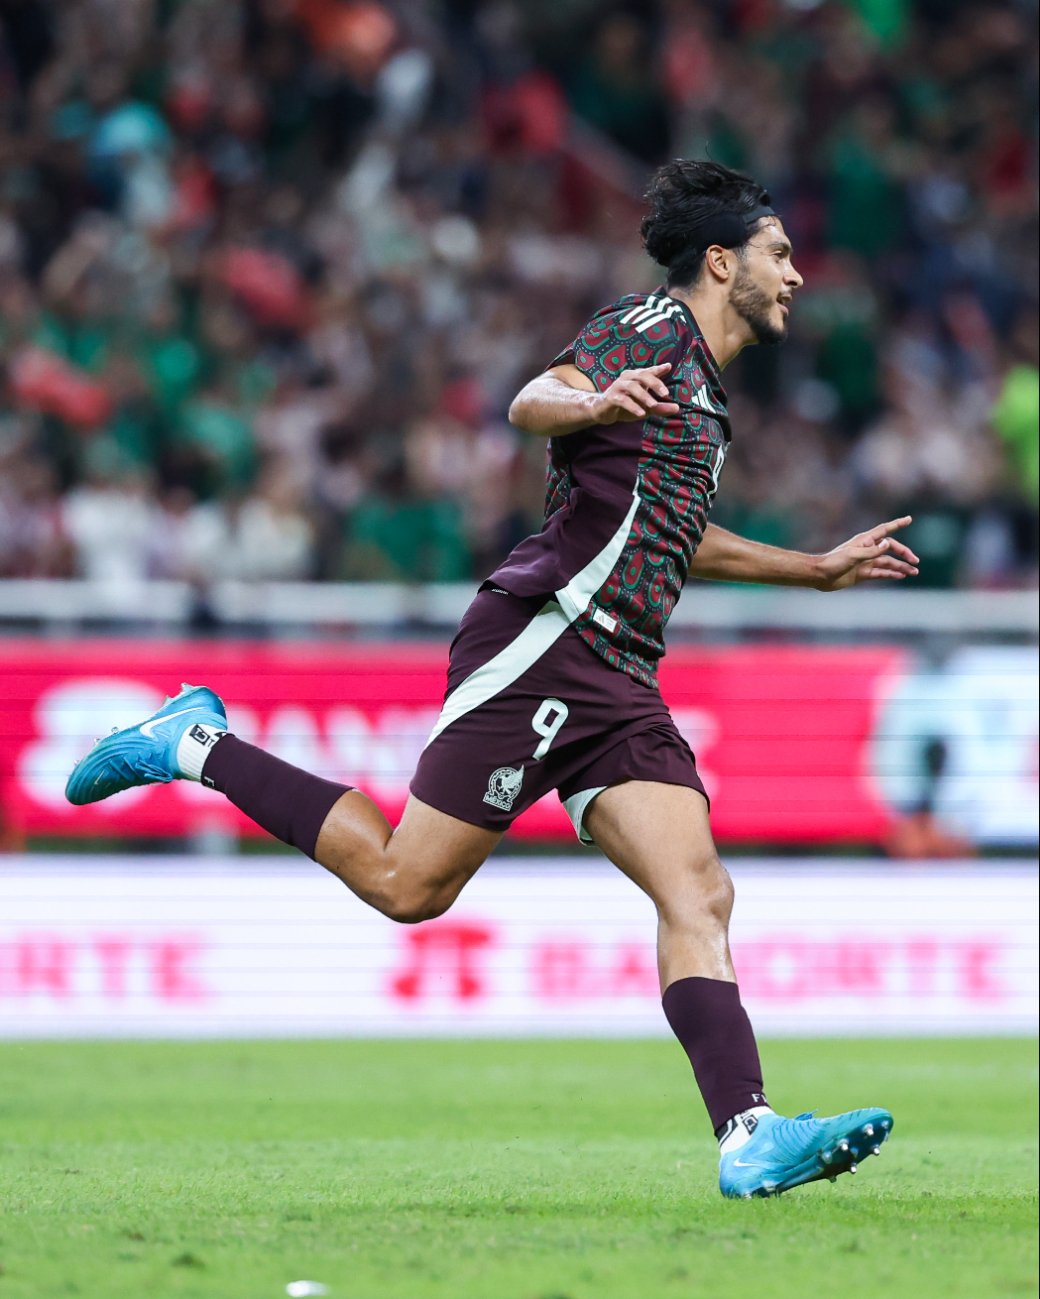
503	787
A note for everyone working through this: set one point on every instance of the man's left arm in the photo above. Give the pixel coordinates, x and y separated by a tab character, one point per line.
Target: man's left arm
722	556
869	556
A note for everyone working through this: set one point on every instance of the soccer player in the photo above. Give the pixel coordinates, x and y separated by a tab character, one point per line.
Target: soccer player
552	678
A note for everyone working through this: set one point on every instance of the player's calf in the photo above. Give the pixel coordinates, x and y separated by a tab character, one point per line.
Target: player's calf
411	874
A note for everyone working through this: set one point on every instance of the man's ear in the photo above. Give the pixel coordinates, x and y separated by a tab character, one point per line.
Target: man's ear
718	262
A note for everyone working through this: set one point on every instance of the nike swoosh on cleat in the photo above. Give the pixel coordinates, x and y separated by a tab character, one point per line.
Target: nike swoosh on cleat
148	728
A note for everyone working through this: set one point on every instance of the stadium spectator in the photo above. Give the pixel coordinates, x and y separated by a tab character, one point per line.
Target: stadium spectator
320	244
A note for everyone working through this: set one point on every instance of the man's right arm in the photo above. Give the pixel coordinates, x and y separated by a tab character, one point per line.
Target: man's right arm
564	400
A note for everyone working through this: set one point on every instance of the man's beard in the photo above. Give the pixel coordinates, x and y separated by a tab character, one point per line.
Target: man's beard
756	307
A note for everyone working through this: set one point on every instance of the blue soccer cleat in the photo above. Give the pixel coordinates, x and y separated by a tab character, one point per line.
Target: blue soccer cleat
145	754
783	1153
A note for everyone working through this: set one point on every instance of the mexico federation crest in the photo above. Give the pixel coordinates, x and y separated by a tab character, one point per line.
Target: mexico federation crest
503	787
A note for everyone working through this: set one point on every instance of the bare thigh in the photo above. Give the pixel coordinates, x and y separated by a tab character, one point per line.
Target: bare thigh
660	837
410	873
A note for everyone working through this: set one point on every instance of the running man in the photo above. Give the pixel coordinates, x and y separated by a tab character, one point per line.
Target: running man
552	678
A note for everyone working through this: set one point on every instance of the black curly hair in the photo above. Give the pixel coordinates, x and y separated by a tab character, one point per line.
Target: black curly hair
696	204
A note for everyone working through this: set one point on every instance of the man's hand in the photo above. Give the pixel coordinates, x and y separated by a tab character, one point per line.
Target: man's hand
869	556
634	394
564	400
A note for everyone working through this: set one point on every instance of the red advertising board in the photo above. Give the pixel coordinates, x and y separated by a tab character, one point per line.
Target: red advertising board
782	734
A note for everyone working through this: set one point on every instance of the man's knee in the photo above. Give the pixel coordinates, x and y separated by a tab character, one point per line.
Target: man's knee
718	890
704	891
410	902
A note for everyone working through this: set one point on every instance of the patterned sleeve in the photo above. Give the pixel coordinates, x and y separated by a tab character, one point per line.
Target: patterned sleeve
627	339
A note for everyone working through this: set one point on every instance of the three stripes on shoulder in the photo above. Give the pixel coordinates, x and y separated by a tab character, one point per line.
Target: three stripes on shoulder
652	312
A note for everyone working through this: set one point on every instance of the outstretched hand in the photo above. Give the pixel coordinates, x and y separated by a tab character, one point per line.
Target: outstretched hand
635	394
869	556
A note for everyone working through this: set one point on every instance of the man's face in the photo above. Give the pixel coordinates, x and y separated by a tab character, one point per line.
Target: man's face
765	282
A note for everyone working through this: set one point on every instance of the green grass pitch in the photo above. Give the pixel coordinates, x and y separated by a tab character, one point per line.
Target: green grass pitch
499	1170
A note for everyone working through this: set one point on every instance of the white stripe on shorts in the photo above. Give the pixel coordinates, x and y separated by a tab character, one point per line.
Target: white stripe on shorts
540	634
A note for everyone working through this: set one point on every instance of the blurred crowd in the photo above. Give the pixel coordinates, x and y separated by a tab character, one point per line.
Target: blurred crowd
272	270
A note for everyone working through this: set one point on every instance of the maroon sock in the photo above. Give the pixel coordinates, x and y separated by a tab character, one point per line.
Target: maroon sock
288	802
715	1032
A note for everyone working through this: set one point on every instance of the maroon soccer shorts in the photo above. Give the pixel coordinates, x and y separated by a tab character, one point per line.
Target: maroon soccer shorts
530	708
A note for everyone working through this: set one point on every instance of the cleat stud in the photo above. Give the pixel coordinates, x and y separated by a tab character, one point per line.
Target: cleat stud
852	1168
885	1124
875	1150
833	1178
868	1131
843	1146
825	1157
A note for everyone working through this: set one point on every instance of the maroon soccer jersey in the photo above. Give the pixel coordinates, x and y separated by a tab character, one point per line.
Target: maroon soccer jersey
627	503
